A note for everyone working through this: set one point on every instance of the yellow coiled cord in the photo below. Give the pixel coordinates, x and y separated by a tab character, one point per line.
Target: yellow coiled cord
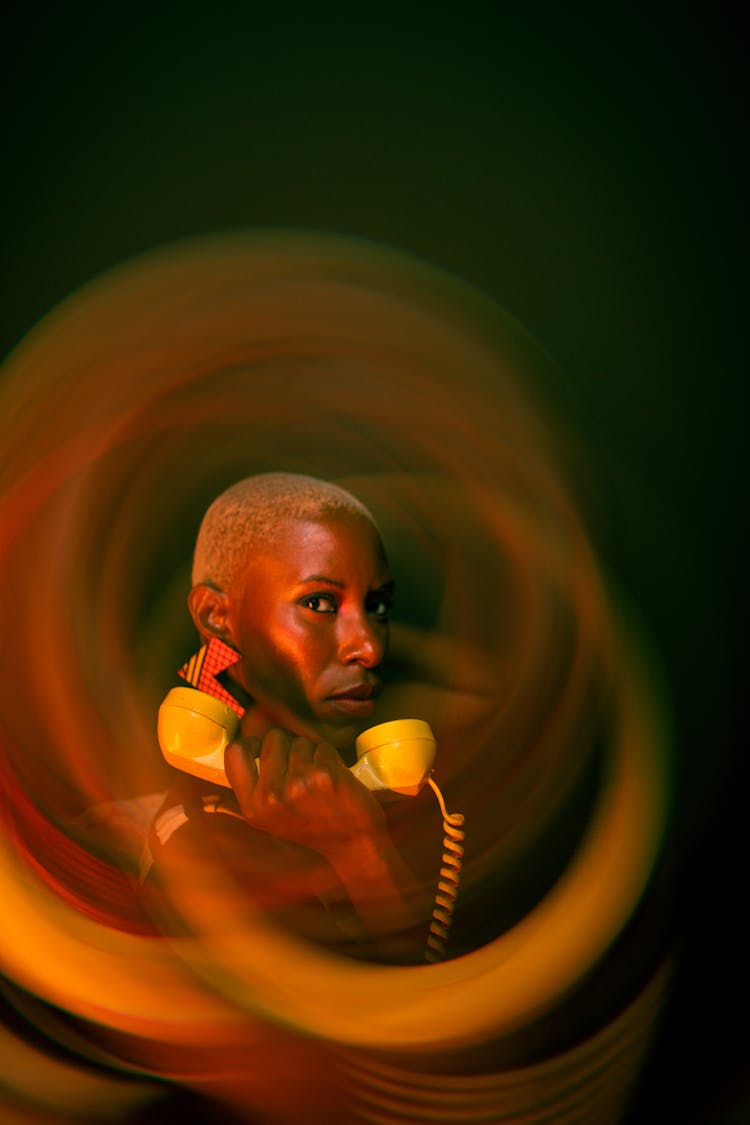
450	874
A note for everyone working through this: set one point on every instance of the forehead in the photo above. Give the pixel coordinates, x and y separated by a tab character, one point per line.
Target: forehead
345	547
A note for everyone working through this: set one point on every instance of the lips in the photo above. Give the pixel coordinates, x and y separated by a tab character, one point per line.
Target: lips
357	700
358	692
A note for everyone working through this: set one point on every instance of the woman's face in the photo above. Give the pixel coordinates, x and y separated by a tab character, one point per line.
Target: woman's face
312	625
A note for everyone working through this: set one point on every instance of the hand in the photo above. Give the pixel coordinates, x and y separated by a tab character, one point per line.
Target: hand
304	794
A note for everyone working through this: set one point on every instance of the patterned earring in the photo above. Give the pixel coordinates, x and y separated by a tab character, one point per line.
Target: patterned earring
206	664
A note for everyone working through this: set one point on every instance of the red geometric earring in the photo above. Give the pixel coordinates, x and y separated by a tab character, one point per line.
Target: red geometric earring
206	664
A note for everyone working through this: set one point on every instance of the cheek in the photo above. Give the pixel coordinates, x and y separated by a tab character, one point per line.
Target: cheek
303	652
284	657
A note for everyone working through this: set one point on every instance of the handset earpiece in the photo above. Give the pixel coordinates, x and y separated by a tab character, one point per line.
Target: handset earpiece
194	729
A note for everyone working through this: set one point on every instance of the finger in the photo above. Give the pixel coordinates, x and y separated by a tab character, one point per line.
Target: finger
274	759
241	770
300	759
328	759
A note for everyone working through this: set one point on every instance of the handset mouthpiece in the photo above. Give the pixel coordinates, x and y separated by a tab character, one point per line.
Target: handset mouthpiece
397	756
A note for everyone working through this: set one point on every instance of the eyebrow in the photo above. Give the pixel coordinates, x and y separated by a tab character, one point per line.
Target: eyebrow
323	578
386	586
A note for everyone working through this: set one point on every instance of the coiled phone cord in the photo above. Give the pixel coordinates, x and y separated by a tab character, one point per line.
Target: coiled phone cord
450	873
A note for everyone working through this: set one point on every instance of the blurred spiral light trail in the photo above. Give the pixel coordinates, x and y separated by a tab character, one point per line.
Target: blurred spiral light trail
123	413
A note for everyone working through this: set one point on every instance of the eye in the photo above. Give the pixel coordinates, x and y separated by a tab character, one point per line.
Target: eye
379	606
320	603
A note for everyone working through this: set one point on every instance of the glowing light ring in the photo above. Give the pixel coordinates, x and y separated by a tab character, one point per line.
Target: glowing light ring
177	990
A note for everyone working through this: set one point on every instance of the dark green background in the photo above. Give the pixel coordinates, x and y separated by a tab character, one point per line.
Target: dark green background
584	170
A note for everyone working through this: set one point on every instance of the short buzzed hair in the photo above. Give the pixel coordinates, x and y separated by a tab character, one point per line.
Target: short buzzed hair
249	515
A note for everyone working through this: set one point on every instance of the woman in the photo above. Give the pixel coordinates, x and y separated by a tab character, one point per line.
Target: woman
291	574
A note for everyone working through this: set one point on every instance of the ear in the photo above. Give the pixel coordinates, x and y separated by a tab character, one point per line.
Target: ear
210	610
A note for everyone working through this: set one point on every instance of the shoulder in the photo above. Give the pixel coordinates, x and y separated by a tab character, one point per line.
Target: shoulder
191	815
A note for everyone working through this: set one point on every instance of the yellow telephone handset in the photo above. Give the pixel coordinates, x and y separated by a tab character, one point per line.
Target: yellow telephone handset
194	730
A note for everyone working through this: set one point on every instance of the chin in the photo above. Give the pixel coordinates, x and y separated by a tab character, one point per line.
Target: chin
342	737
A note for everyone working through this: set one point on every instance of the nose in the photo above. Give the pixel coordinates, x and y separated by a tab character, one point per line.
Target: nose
362	640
